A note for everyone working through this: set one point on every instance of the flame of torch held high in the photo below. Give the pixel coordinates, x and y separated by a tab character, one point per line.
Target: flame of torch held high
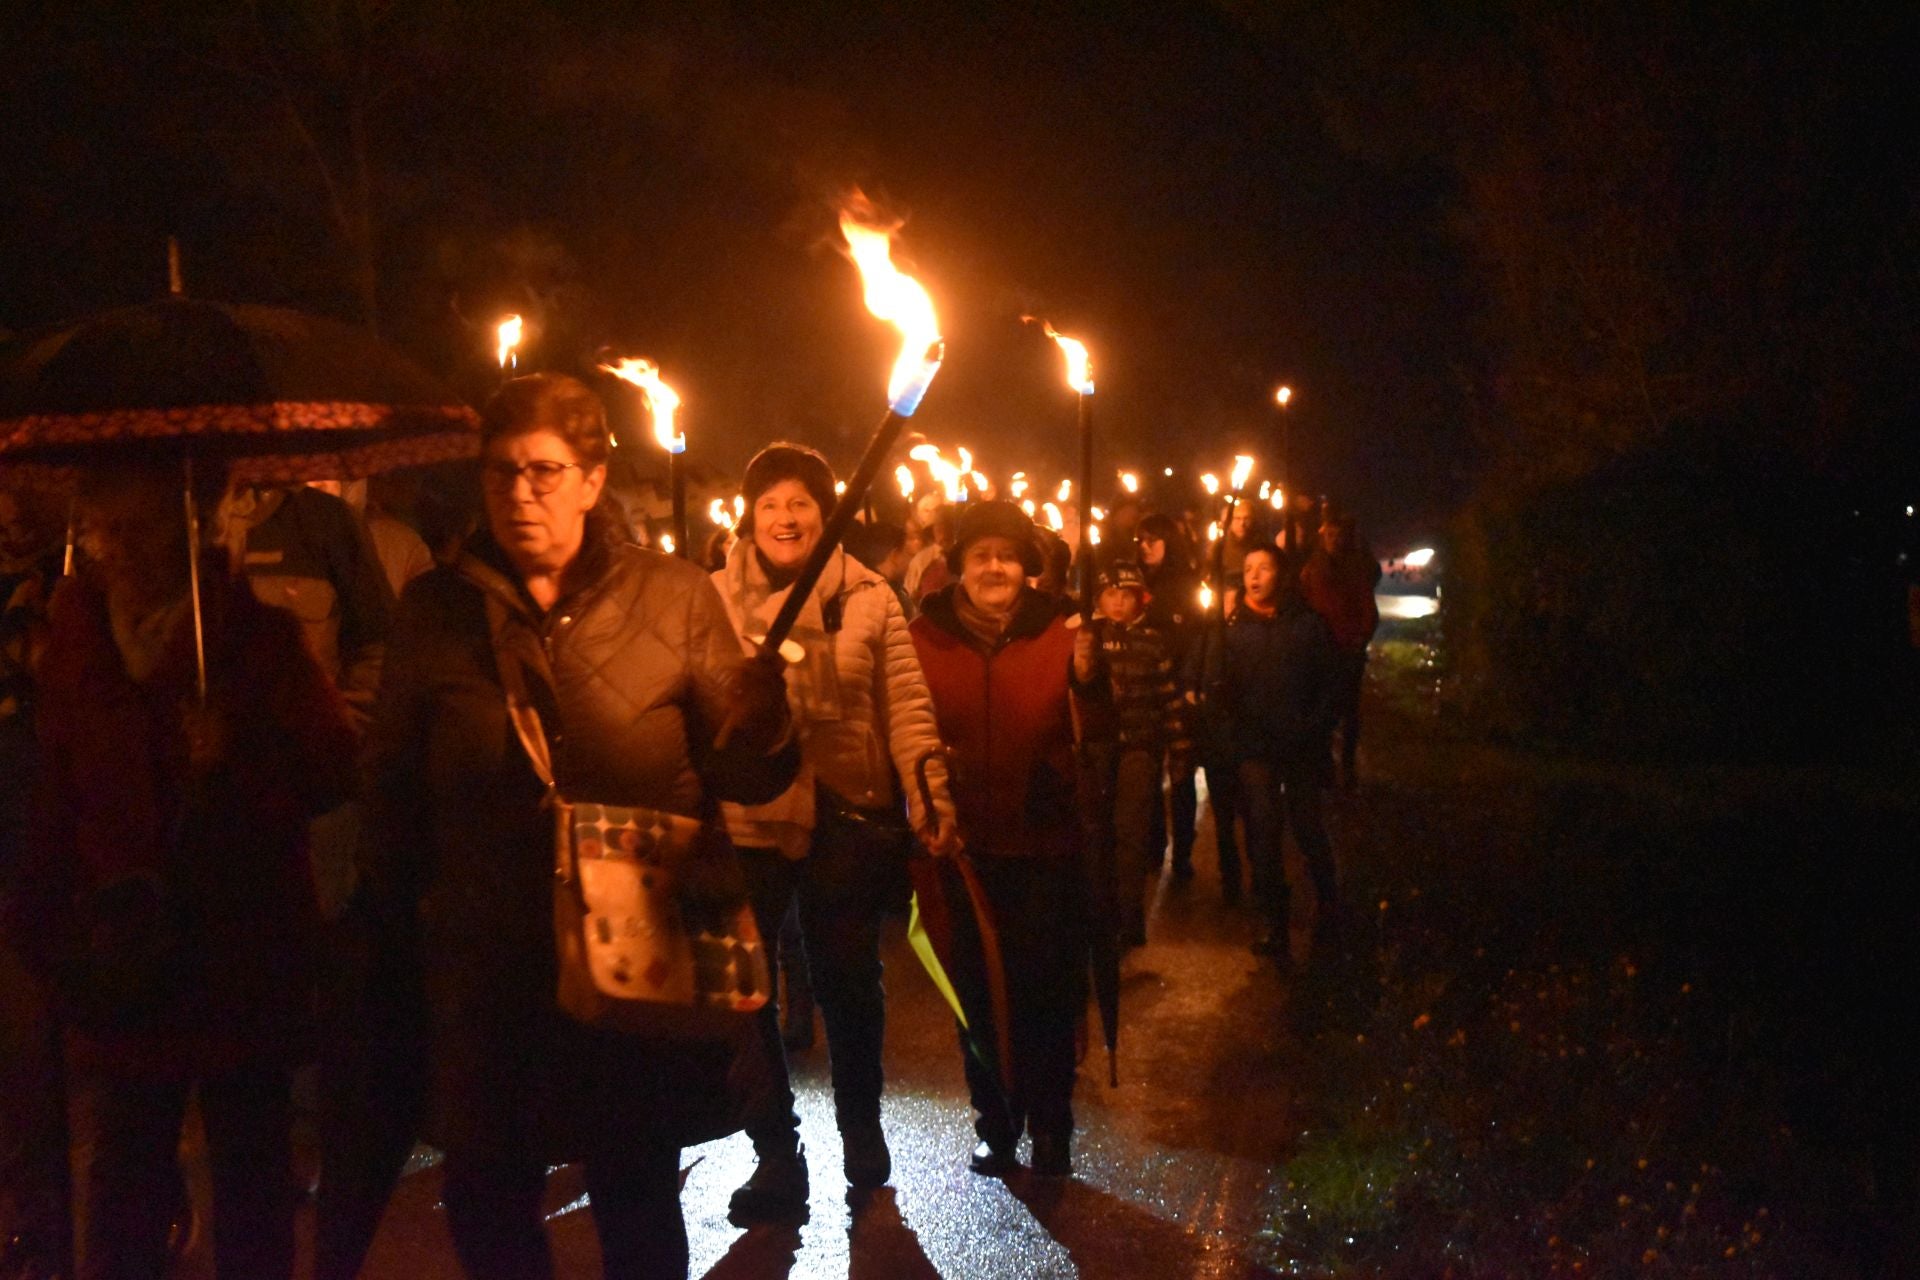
1278	498
1026	505
1206	597
1079	364
1018	485
898	299
507	336
1065	492
666	543
1283	395
904	475
1211	483
662	400
717	512
1242	469
1130	482
1054	521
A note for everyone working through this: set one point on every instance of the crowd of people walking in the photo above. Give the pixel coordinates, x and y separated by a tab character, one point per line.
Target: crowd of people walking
342	850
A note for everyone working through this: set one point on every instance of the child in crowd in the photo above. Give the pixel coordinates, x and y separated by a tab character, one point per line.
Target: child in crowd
1148	730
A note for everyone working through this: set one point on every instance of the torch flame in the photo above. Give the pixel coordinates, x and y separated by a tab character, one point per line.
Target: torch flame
1065	492
662	400
898	299
1279	499
1283	395
717	512
1206	597
666	543
1054	521
1242	468
1130	482
1018	485
1213	531
904	475
1211	483
1026	505
1079	364
508	334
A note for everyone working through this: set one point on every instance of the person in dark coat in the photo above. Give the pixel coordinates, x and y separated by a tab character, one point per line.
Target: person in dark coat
634	668
168	893
1001	663
1276	678
1173	609
36	1230
1338	581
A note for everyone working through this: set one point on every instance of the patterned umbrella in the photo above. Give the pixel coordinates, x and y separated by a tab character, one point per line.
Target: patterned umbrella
280	396
286	397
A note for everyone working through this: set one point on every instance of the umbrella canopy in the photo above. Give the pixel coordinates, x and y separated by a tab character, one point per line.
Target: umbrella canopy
290	397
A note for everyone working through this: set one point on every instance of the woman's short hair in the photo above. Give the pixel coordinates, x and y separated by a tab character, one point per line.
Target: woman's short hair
549	402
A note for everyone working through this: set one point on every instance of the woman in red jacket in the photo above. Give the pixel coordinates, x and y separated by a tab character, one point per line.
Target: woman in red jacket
1001	663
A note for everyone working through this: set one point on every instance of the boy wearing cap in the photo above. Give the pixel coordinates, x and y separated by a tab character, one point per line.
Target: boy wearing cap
1147	728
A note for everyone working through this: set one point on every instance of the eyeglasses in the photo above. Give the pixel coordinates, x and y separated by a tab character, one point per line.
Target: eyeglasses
542	477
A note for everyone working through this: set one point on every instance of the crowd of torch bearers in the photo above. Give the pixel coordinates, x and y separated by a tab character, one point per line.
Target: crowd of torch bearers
902	302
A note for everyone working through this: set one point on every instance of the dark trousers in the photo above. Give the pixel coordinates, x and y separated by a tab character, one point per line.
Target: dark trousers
1350	673
1223	794
494	1213
840	904
34	1192
128	1131
1183	799
1036	906
1276	796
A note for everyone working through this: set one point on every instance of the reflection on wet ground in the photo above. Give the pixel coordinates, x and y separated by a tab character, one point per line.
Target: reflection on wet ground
1176	1170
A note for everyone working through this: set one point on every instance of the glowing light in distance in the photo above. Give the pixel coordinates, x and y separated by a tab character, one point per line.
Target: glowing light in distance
1206	597
506	338
1278	499
666	543
1283	395
1210	482
1418	559
1168	472
1130	482
1407	606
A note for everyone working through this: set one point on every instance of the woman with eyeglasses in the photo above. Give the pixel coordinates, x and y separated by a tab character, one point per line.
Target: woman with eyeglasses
633	666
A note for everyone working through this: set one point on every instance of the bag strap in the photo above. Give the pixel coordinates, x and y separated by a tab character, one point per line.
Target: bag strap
533	736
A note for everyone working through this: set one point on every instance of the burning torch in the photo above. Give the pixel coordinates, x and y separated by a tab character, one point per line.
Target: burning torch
662	402
507	335
1080	379
902	302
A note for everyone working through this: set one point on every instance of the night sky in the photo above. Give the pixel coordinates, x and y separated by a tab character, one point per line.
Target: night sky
1217	197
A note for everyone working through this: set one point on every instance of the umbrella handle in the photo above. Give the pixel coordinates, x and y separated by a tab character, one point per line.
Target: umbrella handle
925	784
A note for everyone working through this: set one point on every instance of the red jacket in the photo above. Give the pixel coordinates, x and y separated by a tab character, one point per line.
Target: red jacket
121	826
1005	715
1341	592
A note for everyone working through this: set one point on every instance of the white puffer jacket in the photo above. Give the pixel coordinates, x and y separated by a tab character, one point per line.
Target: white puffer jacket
859	700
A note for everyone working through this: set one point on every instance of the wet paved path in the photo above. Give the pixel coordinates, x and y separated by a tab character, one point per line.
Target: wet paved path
1176	1170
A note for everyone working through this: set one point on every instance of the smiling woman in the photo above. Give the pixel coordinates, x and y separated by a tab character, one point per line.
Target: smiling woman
834	842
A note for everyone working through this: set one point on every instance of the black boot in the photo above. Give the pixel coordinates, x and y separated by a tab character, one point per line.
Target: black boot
777	1191
1051	1158
868	1162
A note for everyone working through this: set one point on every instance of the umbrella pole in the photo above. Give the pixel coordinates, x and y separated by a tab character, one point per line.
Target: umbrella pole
193	585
